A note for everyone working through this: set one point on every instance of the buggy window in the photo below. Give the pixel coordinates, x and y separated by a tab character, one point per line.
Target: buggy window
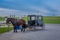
39	18
33	18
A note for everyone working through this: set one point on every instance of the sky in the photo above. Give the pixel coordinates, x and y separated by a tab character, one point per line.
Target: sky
30	7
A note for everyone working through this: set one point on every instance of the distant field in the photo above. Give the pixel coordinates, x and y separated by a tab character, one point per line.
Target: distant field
52	19
48	19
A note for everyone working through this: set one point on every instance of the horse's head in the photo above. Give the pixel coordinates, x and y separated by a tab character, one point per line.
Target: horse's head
10	20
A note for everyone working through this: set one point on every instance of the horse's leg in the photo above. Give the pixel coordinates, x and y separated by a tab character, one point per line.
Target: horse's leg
25	26
21	30
24	30
15	30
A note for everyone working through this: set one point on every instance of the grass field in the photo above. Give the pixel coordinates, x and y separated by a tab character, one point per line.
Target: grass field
2	18
5	29
52	19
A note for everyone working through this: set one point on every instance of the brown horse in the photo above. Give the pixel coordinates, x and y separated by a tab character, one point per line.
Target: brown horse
16	22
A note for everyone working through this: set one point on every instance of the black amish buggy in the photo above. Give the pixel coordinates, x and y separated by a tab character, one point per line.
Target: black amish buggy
36	21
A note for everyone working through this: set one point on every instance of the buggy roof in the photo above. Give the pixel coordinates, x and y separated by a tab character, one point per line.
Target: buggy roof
34	15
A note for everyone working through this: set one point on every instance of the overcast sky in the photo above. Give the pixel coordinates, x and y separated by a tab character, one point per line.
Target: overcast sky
25	7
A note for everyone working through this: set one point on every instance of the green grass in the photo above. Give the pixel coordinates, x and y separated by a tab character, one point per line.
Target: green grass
5	29
2	18
52	19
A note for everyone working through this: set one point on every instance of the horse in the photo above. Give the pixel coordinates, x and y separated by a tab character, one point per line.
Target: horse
16	22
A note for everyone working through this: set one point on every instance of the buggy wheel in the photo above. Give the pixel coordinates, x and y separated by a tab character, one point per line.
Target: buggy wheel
43	27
